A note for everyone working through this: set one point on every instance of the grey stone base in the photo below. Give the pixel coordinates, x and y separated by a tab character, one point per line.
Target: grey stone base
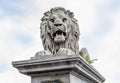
62	76
59	69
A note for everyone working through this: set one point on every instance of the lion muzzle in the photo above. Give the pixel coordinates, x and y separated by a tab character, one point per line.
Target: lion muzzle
59	36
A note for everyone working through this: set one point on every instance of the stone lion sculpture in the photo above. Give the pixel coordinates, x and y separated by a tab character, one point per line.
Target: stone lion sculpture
59	33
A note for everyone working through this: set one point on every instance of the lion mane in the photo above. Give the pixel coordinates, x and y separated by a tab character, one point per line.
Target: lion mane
71	42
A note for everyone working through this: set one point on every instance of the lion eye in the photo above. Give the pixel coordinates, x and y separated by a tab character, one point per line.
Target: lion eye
52	20
64	19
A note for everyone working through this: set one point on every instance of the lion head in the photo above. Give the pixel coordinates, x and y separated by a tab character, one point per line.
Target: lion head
59	29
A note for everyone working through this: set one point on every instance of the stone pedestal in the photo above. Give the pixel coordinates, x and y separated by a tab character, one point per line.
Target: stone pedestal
59	69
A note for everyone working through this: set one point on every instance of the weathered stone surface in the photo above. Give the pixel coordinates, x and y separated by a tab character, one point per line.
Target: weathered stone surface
59	30
69	69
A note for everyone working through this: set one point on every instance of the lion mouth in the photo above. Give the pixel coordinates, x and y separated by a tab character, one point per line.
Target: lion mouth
59	32
59	36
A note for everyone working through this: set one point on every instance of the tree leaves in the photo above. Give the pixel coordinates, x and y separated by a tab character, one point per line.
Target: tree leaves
87	58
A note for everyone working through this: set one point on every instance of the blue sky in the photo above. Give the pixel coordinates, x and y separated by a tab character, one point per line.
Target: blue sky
99	22
9	7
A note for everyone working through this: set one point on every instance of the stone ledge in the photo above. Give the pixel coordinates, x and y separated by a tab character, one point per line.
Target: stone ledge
59	63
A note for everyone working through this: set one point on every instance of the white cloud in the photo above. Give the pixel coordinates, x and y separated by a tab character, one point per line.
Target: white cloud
13	76
108	51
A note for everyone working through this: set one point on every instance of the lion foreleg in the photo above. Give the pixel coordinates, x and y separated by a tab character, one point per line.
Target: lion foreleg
43	53
65	51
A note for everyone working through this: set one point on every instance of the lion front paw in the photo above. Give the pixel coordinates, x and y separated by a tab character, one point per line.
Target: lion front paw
43	53
65	51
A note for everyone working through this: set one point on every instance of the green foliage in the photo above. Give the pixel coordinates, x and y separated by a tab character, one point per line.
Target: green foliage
87	58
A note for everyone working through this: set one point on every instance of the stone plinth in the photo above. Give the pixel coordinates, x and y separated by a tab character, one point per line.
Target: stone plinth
59	69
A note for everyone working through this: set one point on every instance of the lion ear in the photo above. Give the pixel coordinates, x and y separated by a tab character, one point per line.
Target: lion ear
46	16
69	13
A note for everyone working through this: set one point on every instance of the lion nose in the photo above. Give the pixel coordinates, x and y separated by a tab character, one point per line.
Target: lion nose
57	25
